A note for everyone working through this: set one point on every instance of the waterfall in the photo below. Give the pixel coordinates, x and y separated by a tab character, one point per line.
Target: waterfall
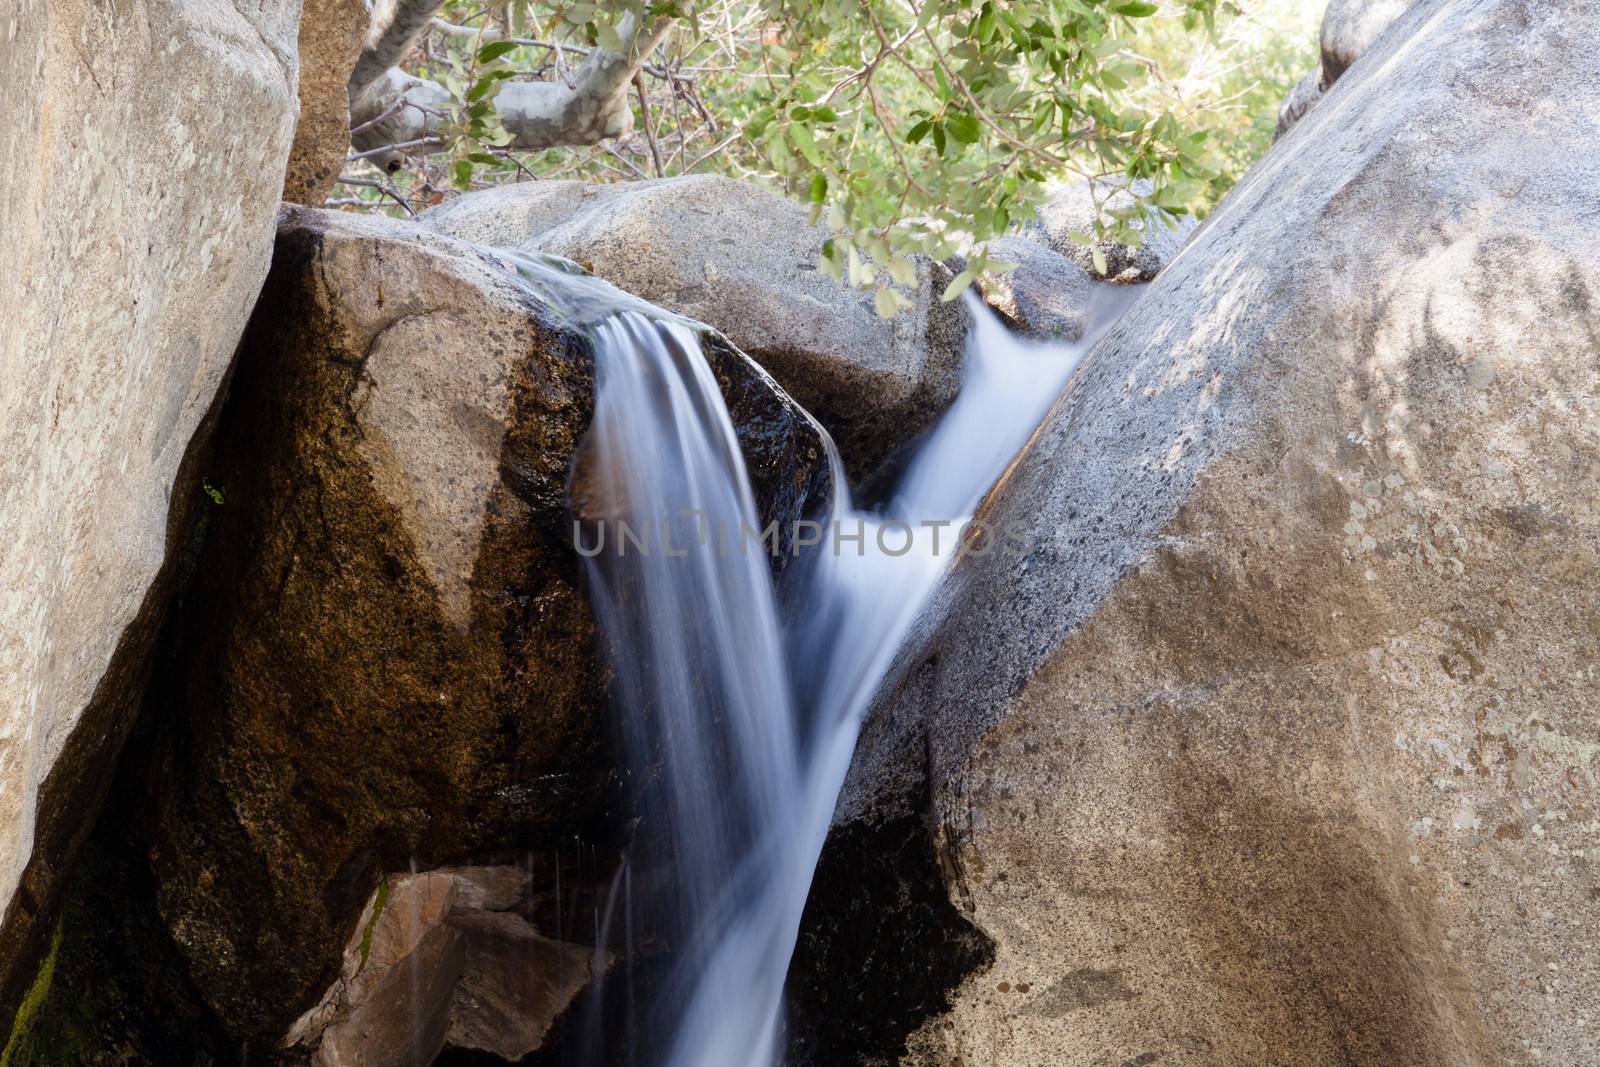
739	708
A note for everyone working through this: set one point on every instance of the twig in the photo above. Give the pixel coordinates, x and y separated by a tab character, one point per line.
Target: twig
383	187
489	35
623	159
391	111
711	152
972	101
890	134
432	142
649	125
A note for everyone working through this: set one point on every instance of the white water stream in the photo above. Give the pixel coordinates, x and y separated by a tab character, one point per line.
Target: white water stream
740	708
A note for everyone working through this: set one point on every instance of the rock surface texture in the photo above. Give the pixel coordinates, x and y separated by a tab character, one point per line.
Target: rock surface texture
385	658
144	150
1046	296
445	958
1280	742
331	32
744	260
1349	28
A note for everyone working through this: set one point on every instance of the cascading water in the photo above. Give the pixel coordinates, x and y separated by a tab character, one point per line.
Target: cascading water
740	710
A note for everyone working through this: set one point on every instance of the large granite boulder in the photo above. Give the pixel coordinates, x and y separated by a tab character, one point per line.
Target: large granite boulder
1046	295
331	34
144	148
385	658
1278	742
1349	28
745	261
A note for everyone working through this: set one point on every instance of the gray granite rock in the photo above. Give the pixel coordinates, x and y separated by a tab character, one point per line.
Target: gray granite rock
144	150
1046	296
1277	742
1349	28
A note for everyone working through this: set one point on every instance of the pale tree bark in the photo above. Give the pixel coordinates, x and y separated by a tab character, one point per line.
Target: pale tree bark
391	107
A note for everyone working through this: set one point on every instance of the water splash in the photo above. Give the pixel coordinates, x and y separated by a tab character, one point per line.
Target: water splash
740	718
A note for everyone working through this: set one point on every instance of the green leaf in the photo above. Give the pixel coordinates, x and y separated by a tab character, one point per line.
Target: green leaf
1137	9
819	188
494	50
1099	261
778	149
918	132
963	128
808	148
885	303
758	122
958	285
462	173
606	37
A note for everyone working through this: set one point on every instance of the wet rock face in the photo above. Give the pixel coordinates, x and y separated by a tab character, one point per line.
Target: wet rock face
385	657
1279	744
881	946
447	958
744	260
124	298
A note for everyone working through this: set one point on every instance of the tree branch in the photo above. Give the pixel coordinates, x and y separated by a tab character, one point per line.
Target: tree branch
396	27
490	33
649	126
590	108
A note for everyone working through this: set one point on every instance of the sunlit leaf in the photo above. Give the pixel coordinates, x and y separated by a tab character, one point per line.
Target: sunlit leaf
494	50
958	285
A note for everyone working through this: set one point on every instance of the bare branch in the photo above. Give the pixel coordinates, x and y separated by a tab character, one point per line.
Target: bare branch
489	33
649	126
396	27
383	187
712	151
591	108
388	113
404	146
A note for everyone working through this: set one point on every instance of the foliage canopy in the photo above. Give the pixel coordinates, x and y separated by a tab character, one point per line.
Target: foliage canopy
911	126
